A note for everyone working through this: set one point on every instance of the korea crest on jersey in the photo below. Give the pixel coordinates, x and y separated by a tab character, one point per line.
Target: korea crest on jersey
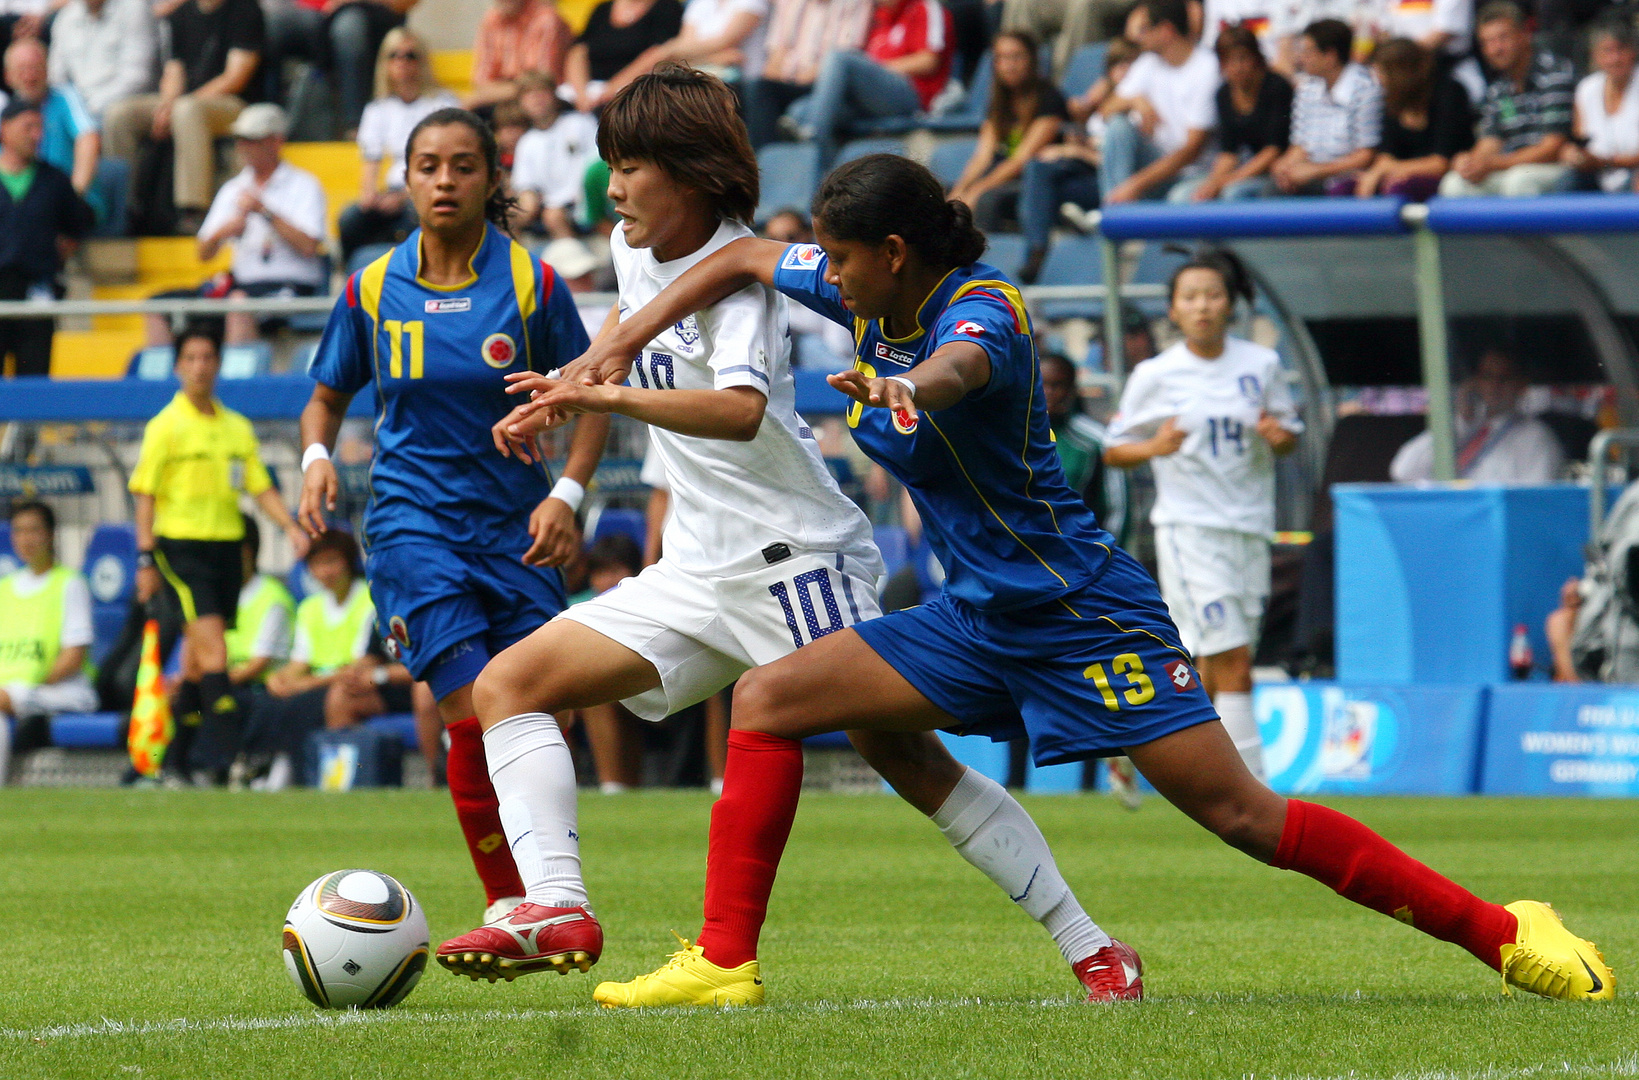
688	332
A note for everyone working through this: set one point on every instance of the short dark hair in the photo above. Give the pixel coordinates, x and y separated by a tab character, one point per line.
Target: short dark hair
1618	28
688	123
35	506
337	542
253	536
1175	12
1223	262
1500	11
1239	38
880	195
1332	36
1046	357
614	550
204	331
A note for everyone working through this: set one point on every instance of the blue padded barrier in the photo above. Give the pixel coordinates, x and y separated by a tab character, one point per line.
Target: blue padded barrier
1263	217
265	397
400	724
949	159
110	574
87	731
1542	214
621	520
1085	67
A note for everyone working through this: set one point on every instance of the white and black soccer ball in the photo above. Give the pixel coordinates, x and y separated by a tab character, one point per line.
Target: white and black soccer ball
355	939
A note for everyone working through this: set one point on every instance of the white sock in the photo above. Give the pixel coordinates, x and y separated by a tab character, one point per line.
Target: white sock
989	828
279	774
1235	710
5	747
534	779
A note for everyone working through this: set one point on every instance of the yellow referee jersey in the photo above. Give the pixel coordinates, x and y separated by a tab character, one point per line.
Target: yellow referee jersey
195	466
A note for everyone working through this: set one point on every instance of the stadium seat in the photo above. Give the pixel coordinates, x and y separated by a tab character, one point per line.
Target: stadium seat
152	362
1006	252
1157	263
453	68
619	519
949	159
858	148
88	731
971	112
1074	260
1086	67
790	172
301	357
895	545
246	360
400	724
110	569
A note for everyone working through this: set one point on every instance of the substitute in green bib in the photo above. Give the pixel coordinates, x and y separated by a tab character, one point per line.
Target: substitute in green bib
260	639
45	635
198	457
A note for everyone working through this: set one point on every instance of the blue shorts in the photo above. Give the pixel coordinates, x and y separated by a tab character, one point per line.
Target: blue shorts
444	613
1085	676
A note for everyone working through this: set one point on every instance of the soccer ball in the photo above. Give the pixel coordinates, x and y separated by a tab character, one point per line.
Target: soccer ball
355	939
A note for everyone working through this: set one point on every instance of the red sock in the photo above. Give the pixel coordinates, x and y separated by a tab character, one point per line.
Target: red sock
1339	852
479	811
749	827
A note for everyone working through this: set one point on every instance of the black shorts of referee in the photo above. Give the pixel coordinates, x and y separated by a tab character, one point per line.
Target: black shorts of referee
206	575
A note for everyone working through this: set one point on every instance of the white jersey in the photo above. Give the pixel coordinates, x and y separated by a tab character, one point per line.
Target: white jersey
732	501
1223	476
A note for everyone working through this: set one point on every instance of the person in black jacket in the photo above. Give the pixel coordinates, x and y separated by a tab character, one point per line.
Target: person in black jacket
1254	122
41	219
1427	121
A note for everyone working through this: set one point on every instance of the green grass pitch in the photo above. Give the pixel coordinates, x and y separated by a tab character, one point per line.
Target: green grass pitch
139	935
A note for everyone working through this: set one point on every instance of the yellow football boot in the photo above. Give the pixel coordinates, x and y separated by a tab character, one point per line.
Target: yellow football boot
1548	959
687	978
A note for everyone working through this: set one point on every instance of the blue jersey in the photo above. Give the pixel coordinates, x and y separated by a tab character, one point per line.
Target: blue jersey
437	356
984	473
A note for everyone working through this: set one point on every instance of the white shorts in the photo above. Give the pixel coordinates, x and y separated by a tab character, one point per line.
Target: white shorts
1215	583
702	633
47	699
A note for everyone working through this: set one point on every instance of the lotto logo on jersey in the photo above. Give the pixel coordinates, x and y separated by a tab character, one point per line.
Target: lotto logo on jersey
498	351
801	257
445	307
1181	675
895	356
904	422
970	328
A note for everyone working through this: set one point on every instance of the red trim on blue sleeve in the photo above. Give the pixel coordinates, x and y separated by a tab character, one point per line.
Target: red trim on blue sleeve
549	282
352	290
1011	312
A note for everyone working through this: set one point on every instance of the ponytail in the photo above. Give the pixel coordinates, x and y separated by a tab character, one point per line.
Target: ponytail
880	195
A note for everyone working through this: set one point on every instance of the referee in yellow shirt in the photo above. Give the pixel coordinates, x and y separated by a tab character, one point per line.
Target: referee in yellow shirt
197	458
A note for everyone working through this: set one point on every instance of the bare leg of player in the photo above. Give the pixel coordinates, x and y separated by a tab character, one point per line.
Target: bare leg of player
1227	679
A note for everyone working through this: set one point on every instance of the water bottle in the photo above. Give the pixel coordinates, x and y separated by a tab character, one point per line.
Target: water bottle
1520	659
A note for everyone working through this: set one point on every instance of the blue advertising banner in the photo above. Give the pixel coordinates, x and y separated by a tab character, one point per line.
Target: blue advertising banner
1562	740
1370	740
33	481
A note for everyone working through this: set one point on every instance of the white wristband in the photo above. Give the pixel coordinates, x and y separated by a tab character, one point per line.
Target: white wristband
568	491
314	452
906	383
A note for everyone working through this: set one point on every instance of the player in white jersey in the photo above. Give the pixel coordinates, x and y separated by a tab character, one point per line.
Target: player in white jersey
1210	414
762	553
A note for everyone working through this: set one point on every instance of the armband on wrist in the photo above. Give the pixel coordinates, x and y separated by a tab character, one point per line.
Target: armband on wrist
380	676
906	383
568	491
314	452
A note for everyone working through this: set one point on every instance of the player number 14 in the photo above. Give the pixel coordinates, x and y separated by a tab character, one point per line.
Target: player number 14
1139	688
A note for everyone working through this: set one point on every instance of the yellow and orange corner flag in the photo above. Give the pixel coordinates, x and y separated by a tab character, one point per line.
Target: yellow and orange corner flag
151	727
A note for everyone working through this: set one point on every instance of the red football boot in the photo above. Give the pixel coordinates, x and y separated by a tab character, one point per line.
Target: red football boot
532	938
1112	974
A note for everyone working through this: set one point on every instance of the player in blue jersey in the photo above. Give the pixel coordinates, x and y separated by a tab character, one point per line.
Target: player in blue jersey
1044	628
435	325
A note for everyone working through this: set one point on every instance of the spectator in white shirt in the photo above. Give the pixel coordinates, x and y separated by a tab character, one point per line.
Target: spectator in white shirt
105	49
1161	116
406	92
45	634
1607	110
1496	442
549	165
1337	115
273	216
724	37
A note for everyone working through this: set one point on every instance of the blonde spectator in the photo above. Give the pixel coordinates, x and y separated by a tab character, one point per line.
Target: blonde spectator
1607	110
515	36
405	92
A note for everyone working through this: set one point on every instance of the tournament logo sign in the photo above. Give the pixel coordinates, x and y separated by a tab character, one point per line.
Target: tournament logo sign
398	637
498	351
